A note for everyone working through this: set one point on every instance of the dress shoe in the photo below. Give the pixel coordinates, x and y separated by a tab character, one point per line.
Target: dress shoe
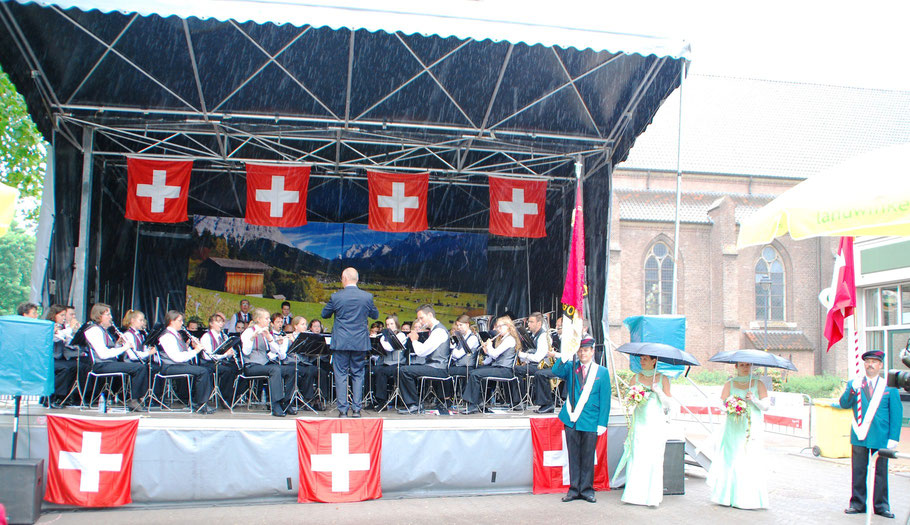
853	510
408	410
567	498
886	514
133	404
377	406
277	413
546	409
205	409
589	499
342	414
291	410
356	413
318	406
471	409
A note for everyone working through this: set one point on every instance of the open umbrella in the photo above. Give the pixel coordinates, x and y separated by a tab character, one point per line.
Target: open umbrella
866	195
754	357
664	353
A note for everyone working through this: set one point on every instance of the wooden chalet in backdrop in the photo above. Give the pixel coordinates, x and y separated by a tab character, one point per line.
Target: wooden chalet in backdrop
233	276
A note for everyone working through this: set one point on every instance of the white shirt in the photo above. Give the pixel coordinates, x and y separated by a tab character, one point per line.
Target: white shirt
506	343
97	339
471	340
388	347
437	337
210	342
132	353
171	347
247	337
540	352
64	334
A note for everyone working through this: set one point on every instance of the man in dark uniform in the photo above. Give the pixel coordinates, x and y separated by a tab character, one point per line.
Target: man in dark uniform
352	308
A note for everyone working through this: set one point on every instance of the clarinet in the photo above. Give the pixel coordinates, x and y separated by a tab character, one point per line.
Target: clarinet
128	343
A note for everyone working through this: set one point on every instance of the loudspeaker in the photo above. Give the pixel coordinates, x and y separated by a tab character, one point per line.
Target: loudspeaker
674	468
22	489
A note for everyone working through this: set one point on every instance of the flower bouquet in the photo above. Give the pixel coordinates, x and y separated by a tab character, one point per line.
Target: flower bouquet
736	407
638	394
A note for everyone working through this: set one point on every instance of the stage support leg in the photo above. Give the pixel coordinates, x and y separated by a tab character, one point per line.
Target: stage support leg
79	289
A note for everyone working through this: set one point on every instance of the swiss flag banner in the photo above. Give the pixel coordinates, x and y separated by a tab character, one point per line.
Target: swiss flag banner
90	461
550	459
842	293
157	189
276	195
398	203
339	459
517	207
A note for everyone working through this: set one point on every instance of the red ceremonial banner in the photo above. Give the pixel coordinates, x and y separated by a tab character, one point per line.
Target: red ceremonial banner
398	203
276	195
550	459
157	190
340	459
517	207
90	461
844	292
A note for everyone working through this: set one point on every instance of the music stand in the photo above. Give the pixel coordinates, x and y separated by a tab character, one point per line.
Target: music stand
396	345
312	346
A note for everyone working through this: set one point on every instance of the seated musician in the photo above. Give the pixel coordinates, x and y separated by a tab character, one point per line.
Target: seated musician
500	358
176	357
105	354
224	365
286	316
529	362
192	325
64	369
310	390
433	353
242	316
386	371
375	328
315	326
464	356
257	344
306	375
134	322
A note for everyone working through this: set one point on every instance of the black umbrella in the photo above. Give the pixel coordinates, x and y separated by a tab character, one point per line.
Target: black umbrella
664	353
754	357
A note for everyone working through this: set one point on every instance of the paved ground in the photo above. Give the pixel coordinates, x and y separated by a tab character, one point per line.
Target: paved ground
803	490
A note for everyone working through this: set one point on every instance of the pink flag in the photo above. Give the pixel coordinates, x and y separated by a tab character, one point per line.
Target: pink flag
843	292
574	290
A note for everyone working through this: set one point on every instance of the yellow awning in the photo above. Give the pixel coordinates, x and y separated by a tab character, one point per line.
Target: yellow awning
867	195
8	198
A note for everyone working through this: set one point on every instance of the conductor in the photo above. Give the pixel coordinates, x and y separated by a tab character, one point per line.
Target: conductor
351	307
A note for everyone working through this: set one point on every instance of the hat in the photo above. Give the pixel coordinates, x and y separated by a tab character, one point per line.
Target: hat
874	354
587	341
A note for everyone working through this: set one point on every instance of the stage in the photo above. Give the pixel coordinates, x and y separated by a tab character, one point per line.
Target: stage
251	456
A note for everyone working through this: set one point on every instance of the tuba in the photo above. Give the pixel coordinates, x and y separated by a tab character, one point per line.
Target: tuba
547	362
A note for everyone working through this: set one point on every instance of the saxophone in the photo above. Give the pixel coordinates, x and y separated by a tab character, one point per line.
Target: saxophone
547	362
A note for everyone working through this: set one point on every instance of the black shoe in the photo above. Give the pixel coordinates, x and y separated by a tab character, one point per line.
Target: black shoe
471	409
589	499
318	406
377	406
546	409
277	411
356	413
408	410
342	414
568	498
132	404
207	410
886	514
853	510
291	410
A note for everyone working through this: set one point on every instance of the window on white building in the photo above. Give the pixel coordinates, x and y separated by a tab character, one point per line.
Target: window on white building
769	286
659	280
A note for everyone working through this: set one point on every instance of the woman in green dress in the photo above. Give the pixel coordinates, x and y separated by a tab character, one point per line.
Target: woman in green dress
644	452
737	477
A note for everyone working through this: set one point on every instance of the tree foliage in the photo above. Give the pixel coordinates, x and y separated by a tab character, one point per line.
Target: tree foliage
22	149
17	252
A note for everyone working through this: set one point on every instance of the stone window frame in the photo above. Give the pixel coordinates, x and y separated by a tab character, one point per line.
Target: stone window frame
648	253
781	256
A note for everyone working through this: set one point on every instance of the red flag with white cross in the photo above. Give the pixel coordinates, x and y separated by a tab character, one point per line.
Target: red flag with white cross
398	203
157	190
90	460
276	194
340	459
517	207
550	458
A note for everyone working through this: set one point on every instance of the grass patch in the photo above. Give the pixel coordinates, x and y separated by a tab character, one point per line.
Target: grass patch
824	386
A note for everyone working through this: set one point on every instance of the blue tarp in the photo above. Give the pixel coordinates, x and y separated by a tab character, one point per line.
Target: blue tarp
26	356
666	329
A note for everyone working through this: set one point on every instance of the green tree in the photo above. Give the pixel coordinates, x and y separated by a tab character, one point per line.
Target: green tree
22	149
17	251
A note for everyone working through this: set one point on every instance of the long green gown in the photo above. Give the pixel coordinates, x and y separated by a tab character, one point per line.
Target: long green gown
737	477
645	467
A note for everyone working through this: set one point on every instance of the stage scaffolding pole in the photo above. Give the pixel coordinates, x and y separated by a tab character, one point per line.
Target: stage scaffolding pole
682	75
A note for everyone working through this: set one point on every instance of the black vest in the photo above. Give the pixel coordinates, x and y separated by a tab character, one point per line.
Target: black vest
439	358
507	358
180	345
469	358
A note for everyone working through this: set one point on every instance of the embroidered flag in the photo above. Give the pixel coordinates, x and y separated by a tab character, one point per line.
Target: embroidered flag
550	458
276	194
90	460
340	459
517	207
398	203
157	190
574	289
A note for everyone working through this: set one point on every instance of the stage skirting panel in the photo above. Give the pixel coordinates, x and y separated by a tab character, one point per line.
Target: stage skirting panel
186	458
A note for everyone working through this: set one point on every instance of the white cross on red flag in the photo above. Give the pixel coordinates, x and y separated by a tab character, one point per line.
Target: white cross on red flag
398	203
90	461
517	207
340	459
276	194
550	459
157	190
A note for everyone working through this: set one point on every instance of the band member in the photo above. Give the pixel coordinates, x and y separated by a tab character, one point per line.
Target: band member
175	361
192	325
315	326
27	310
64	369
500	357
135	324
434	352
375	328
529	362
877	414
243	316
224	365
311	388
238	328
286	316
406	327
584	415
306	375
464	355
105	353
257	344
387	369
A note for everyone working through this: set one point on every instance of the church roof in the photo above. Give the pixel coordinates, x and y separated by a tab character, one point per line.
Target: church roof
660	205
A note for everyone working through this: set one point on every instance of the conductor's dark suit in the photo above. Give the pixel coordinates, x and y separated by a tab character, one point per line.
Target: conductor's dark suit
352	308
